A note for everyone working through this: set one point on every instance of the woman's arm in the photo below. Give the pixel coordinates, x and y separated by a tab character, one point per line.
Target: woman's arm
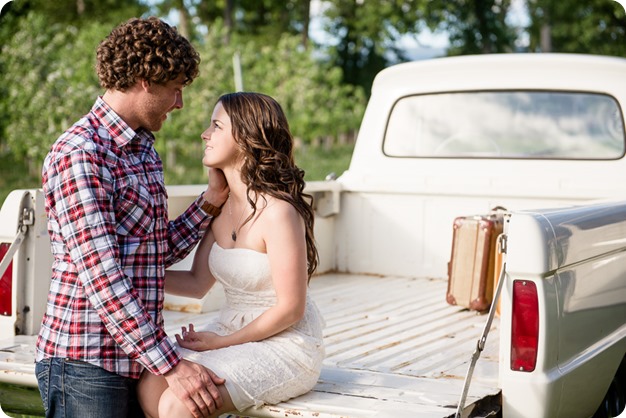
284	236
198	281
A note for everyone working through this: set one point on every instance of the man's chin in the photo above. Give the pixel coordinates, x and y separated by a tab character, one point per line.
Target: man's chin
156	127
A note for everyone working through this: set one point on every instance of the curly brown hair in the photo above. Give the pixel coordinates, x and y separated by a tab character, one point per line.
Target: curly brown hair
262	134
147	49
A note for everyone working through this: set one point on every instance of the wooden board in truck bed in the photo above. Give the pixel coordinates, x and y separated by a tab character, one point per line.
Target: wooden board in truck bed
394	348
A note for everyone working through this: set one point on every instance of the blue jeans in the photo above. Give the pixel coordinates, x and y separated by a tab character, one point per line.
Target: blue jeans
75	389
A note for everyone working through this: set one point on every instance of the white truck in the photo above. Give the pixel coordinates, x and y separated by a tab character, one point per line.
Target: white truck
539	134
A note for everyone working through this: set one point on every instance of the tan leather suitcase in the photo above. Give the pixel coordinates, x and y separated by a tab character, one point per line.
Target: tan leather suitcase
472	269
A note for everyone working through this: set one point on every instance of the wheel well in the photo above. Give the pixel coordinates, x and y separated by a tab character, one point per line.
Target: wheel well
614	401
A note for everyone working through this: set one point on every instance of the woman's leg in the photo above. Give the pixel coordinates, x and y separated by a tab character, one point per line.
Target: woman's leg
149	391
171	406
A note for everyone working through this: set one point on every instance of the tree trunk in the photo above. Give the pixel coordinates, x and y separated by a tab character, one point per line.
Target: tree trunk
306	4
546	38
228	20
184	19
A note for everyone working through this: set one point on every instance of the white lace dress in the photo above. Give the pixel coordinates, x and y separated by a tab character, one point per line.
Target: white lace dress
269	371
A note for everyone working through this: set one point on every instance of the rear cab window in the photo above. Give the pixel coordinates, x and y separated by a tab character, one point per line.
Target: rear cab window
520	124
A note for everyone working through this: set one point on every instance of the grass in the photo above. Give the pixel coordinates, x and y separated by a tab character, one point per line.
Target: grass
20	402
318	162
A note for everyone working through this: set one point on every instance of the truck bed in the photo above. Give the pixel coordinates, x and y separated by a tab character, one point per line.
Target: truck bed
394	348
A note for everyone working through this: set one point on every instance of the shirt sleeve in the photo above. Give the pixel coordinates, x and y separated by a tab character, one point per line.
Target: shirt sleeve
84	197
186	231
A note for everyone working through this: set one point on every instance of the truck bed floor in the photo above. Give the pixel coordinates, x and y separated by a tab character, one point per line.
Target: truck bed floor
394	348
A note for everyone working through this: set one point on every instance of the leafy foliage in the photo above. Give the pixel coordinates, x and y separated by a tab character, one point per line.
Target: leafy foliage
49	82
593	26
47	54
317	105
477	27
366	32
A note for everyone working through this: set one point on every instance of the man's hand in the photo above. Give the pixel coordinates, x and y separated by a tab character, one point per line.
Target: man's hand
217	193
195	386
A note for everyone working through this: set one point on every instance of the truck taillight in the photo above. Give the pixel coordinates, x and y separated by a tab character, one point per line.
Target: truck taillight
6	284
524	326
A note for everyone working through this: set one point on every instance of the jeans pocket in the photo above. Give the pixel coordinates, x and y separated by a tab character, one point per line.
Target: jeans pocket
42	371
92	392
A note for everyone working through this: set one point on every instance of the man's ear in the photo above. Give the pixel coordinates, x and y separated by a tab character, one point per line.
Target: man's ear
145	85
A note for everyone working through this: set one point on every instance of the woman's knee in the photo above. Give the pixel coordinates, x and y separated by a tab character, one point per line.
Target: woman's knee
171	406
149	391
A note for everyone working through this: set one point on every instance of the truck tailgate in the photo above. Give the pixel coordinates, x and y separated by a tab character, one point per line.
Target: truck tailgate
394	348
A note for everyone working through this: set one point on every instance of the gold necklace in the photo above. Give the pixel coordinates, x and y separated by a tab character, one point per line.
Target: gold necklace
233	233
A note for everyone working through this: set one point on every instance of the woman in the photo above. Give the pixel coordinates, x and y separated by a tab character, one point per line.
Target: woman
267	343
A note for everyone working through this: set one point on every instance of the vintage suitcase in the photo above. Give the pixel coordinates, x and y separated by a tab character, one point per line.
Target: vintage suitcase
475	261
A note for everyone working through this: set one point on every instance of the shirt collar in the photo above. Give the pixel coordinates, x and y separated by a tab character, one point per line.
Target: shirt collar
117	128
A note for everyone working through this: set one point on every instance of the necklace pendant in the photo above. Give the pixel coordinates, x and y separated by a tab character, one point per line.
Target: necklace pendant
233	235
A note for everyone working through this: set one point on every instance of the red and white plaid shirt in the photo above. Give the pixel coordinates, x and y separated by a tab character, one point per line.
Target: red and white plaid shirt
111	241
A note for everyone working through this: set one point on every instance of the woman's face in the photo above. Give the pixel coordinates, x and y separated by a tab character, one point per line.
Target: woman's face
220	148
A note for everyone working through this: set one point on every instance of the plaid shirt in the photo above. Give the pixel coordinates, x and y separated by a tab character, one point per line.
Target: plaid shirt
111	241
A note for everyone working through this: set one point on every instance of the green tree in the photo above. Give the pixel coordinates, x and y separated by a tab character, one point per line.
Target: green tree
264	20
185	25
317	105
366	33
47	58
49	81
80	12
474	27
593	26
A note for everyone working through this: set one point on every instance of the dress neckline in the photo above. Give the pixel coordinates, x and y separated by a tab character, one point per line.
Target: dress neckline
238	248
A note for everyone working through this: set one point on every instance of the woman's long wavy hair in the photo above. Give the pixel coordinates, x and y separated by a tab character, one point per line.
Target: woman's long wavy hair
261	131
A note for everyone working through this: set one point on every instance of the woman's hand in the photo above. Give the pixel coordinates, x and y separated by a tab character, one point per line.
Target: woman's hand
199	341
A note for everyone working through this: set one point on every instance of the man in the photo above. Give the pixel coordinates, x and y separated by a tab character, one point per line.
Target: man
111	239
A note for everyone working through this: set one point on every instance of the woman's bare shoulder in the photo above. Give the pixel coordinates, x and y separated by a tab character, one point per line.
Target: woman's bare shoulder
279	211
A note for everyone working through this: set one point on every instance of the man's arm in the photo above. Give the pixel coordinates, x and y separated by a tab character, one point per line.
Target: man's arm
189	228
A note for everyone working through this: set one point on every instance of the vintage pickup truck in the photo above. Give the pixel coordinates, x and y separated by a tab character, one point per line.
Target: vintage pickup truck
539	134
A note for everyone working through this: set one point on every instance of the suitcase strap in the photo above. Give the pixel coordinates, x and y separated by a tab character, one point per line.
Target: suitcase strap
480	344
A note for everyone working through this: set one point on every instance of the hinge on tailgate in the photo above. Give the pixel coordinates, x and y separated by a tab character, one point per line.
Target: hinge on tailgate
502	241
27	218
504	236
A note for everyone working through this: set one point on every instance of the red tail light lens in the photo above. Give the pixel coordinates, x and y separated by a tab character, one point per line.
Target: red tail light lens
524	326
6	284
